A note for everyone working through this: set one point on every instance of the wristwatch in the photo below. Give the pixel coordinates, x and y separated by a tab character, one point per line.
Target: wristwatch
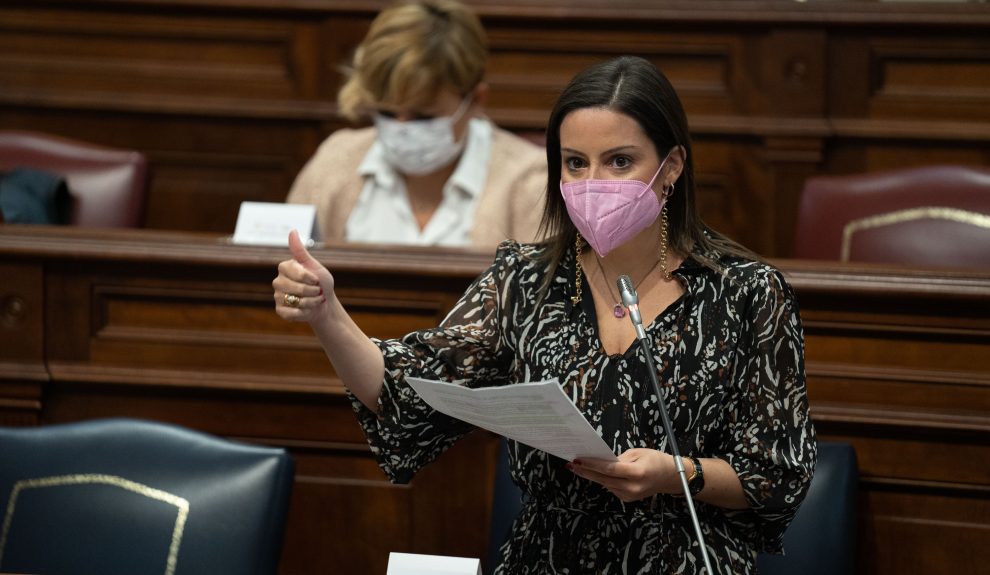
697	480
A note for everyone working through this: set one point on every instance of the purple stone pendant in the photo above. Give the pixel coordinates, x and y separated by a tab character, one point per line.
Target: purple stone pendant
619	311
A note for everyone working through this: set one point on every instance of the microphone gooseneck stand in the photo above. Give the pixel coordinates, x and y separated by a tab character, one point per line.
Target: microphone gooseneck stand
630	299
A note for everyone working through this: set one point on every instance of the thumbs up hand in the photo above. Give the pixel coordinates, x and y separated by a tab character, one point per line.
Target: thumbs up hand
302	286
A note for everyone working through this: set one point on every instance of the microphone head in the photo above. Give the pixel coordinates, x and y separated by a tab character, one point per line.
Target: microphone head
627	291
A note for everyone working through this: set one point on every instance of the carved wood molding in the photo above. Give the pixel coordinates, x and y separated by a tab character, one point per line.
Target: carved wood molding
848	13
927	487
301	110
150	246
900	419
816	277
65	372
949	131
20	404
23	371
861	372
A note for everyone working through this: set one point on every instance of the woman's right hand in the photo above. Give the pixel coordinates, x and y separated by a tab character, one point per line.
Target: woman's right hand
302	286
304	292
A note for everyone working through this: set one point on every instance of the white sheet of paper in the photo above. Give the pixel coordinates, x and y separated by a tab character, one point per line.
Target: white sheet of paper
535	413
269	224
416	564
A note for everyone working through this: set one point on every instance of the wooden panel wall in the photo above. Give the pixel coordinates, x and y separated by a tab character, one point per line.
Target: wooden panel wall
179	327
230	97
900	369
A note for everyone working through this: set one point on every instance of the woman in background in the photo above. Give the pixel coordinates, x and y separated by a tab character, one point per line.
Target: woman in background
433	170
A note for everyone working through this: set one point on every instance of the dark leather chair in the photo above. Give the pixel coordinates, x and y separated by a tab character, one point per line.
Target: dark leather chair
822	538
108	186
128	497
932	216
507	502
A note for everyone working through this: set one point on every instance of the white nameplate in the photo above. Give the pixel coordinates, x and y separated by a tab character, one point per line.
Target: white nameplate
416	564
269	224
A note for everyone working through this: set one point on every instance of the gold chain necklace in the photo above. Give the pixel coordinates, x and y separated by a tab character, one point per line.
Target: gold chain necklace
619	310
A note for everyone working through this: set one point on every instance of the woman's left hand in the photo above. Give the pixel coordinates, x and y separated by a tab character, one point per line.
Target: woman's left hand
639	473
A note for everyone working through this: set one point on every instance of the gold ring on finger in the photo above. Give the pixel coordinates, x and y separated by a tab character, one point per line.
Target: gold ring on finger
290	300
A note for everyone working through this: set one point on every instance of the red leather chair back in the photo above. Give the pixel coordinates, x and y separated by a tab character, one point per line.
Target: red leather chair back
932	216
108	186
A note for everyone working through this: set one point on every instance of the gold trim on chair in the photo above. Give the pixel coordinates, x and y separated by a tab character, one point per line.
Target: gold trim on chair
113	480
929	212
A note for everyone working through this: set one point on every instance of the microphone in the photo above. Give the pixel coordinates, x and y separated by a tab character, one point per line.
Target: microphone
630	299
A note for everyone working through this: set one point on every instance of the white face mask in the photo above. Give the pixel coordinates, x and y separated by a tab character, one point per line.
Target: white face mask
418	147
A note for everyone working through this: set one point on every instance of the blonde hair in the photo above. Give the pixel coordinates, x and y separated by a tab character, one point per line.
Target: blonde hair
413	50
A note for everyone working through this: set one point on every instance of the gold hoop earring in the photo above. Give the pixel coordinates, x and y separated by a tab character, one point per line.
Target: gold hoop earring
578	246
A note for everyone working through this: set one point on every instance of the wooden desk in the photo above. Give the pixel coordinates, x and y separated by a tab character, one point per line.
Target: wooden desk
179	327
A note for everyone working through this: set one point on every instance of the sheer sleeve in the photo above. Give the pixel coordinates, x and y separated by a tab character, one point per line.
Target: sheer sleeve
470	347
771	441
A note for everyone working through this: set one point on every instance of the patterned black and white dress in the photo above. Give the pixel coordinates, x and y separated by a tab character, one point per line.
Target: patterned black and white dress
730	354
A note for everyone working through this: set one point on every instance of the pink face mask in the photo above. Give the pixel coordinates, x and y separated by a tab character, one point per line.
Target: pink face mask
608	213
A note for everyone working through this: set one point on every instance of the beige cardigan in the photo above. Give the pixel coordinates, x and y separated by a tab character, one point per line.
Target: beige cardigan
510	206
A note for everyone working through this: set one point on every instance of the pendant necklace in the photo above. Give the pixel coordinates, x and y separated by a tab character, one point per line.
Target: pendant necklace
619	310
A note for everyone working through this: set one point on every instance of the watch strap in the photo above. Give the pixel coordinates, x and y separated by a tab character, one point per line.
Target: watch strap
697	481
